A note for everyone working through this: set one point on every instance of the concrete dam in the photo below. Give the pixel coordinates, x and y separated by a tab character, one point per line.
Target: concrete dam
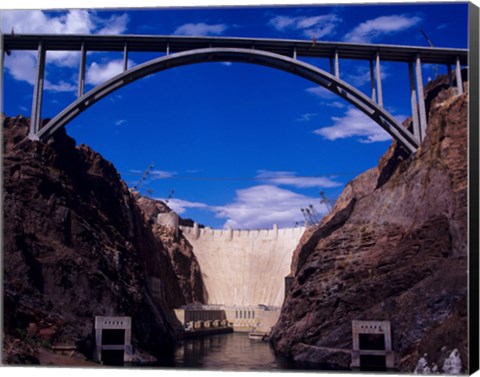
244	268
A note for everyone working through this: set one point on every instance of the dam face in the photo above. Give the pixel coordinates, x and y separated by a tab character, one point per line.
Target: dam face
244	268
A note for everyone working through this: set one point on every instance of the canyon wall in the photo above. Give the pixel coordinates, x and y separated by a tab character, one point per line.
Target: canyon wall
76	246
180	251
394	248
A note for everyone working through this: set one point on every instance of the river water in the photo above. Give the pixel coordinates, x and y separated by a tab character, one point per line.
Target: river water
227	352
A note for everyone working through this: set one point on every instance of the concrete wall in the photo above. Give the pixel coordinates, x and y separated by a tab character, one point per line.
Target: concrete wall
168	219
244	267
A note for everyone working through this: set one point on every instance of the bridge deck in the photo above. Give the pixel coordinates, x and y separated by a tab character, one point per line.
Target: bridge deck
305	48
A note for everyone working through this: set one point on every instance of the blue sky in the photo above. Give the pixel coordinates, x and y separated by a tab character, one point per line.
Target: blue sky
231	143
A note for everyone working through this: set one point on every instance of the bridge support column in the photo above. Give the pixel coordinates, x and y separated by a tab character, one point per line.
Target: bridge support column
125	57
2	61
81	75
414	102
37	93
421	100
337	65
449	74
379	81
458	71
372	82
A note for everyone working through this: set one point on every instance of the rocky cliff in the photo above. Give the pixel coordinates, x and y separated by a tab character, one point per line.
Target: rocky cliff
393	248
180	251
76	246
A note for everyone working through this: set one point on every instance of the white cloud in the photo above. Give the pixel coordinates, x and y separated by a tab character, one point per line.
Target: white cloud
116	24
114	97
320	31
258	207
306	117
180	206
377	28
281	23
264	205
21	64
161	174
309	22
26	61
321	92
316	26
335	104
361	75
120	122
152	174
74	21
38	22
287	178
98	73
354	124
61	86
64	58
200	29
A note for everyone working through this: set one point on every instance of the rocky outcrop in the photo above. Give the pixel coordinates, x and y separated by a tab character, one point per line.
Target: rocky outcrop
184	262
75	245
393	248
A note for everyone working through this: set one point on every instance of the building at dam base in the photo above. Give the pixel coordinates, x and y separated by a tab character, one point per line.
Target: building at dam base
243	319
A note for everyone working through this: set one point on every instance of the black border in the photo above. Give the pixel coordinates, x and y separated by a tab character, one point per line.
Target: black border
473	187
474	282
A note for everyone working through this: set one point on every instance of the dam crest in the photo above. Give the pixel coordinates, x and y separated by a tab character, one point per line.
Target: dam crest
233	234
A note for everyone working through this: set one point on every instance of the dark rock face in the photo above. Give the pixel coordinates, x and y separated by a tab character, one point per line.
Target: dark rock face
184	262
151	208
393	248
75	245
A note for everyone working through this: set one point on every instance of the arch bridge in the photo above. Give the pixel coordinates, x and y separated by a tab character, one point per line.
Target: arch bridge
279	54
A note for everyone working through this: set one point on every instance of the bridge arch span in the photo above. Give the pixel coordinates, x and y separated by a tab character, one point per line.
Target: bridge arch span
218	54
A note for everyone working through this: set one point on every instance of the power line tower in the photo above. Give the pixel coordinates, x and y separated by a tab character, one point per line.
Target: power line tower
306	216
315	214
142	180
325	200
310	215
170	196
